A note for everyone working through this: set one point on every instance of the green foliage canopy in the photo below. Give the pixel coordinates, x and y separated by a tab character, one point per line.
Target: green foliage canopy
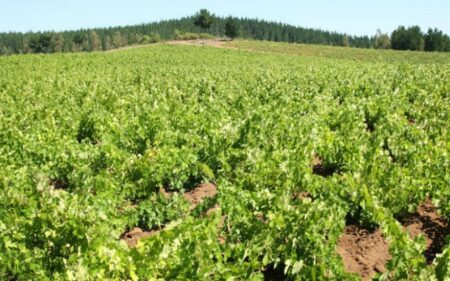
231	28
203	19
87	141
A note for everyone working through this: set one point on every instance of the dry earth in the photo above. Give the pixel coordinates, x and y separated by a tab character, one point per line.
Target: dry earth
220	43
365	252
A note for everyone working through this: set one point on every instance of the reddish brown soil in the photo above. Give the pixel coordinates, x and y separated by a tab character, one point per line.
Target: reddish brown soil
363	252
302	195
435	229
132	236
260	217
316	160
218	43
221	240
196	195
165	193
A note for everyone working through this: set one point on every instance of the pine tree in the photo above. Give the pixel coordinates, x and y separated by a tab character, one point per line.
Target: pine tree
154	37
108	43
402	38
136	38
436	40
345	41
58	42
41	43
96	44
117	40
77	43
85	46
5	51
231	29
407	39
381	40
24	48
203	19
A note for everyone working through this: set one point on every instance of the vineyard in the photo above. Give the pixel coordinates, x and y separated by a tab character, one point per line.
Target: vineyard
368	55
200	163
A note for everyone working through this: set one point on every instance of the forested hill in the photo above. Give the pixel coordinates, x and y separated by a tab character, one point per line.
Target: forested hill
115	37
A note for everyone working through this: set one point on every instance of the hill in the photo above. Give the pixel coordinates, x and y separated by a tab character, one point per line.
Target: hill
116	37
319	51
336	52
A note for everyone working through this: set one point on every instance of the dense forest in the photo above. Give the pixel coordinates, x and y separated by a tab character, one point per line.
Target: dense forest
98	39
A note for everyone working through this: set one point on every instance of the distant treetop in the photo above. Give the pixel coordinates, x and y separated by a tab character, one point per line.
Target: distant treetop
97	39
203	19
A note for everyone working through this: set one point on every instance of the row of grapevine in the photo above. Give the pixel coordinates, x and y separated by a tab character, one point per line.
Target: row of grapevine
94	145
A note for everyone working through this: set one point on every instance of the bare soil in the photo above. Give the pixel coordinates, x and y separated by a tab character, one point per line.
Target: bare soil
129	47
165	193
219	43
132	237
435	229
196	195
364	252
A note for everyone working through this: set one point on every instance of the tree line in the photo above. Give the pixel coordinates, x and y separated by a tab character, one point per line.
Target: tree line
412	38
100	39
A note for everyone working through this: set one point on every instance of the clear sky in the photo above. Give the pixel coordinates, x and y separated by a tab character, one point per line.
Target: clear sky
355	17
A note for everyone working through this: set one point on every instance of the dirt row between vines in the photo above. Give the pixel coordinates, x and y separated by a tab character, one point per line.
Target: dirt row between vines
218	43
365	252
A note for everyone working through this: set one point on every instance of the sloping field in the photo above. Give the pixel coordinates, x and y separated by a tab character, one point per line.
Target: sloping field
356	54
201	163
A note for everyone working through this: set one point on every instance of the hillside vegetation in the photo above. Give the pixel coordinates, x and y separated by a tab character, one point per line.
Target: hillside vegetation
96	39
357	54
104	39
200	163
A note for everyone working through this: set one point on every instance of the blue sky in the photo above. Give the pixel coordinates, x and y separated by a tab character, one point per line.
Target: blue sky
350	16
